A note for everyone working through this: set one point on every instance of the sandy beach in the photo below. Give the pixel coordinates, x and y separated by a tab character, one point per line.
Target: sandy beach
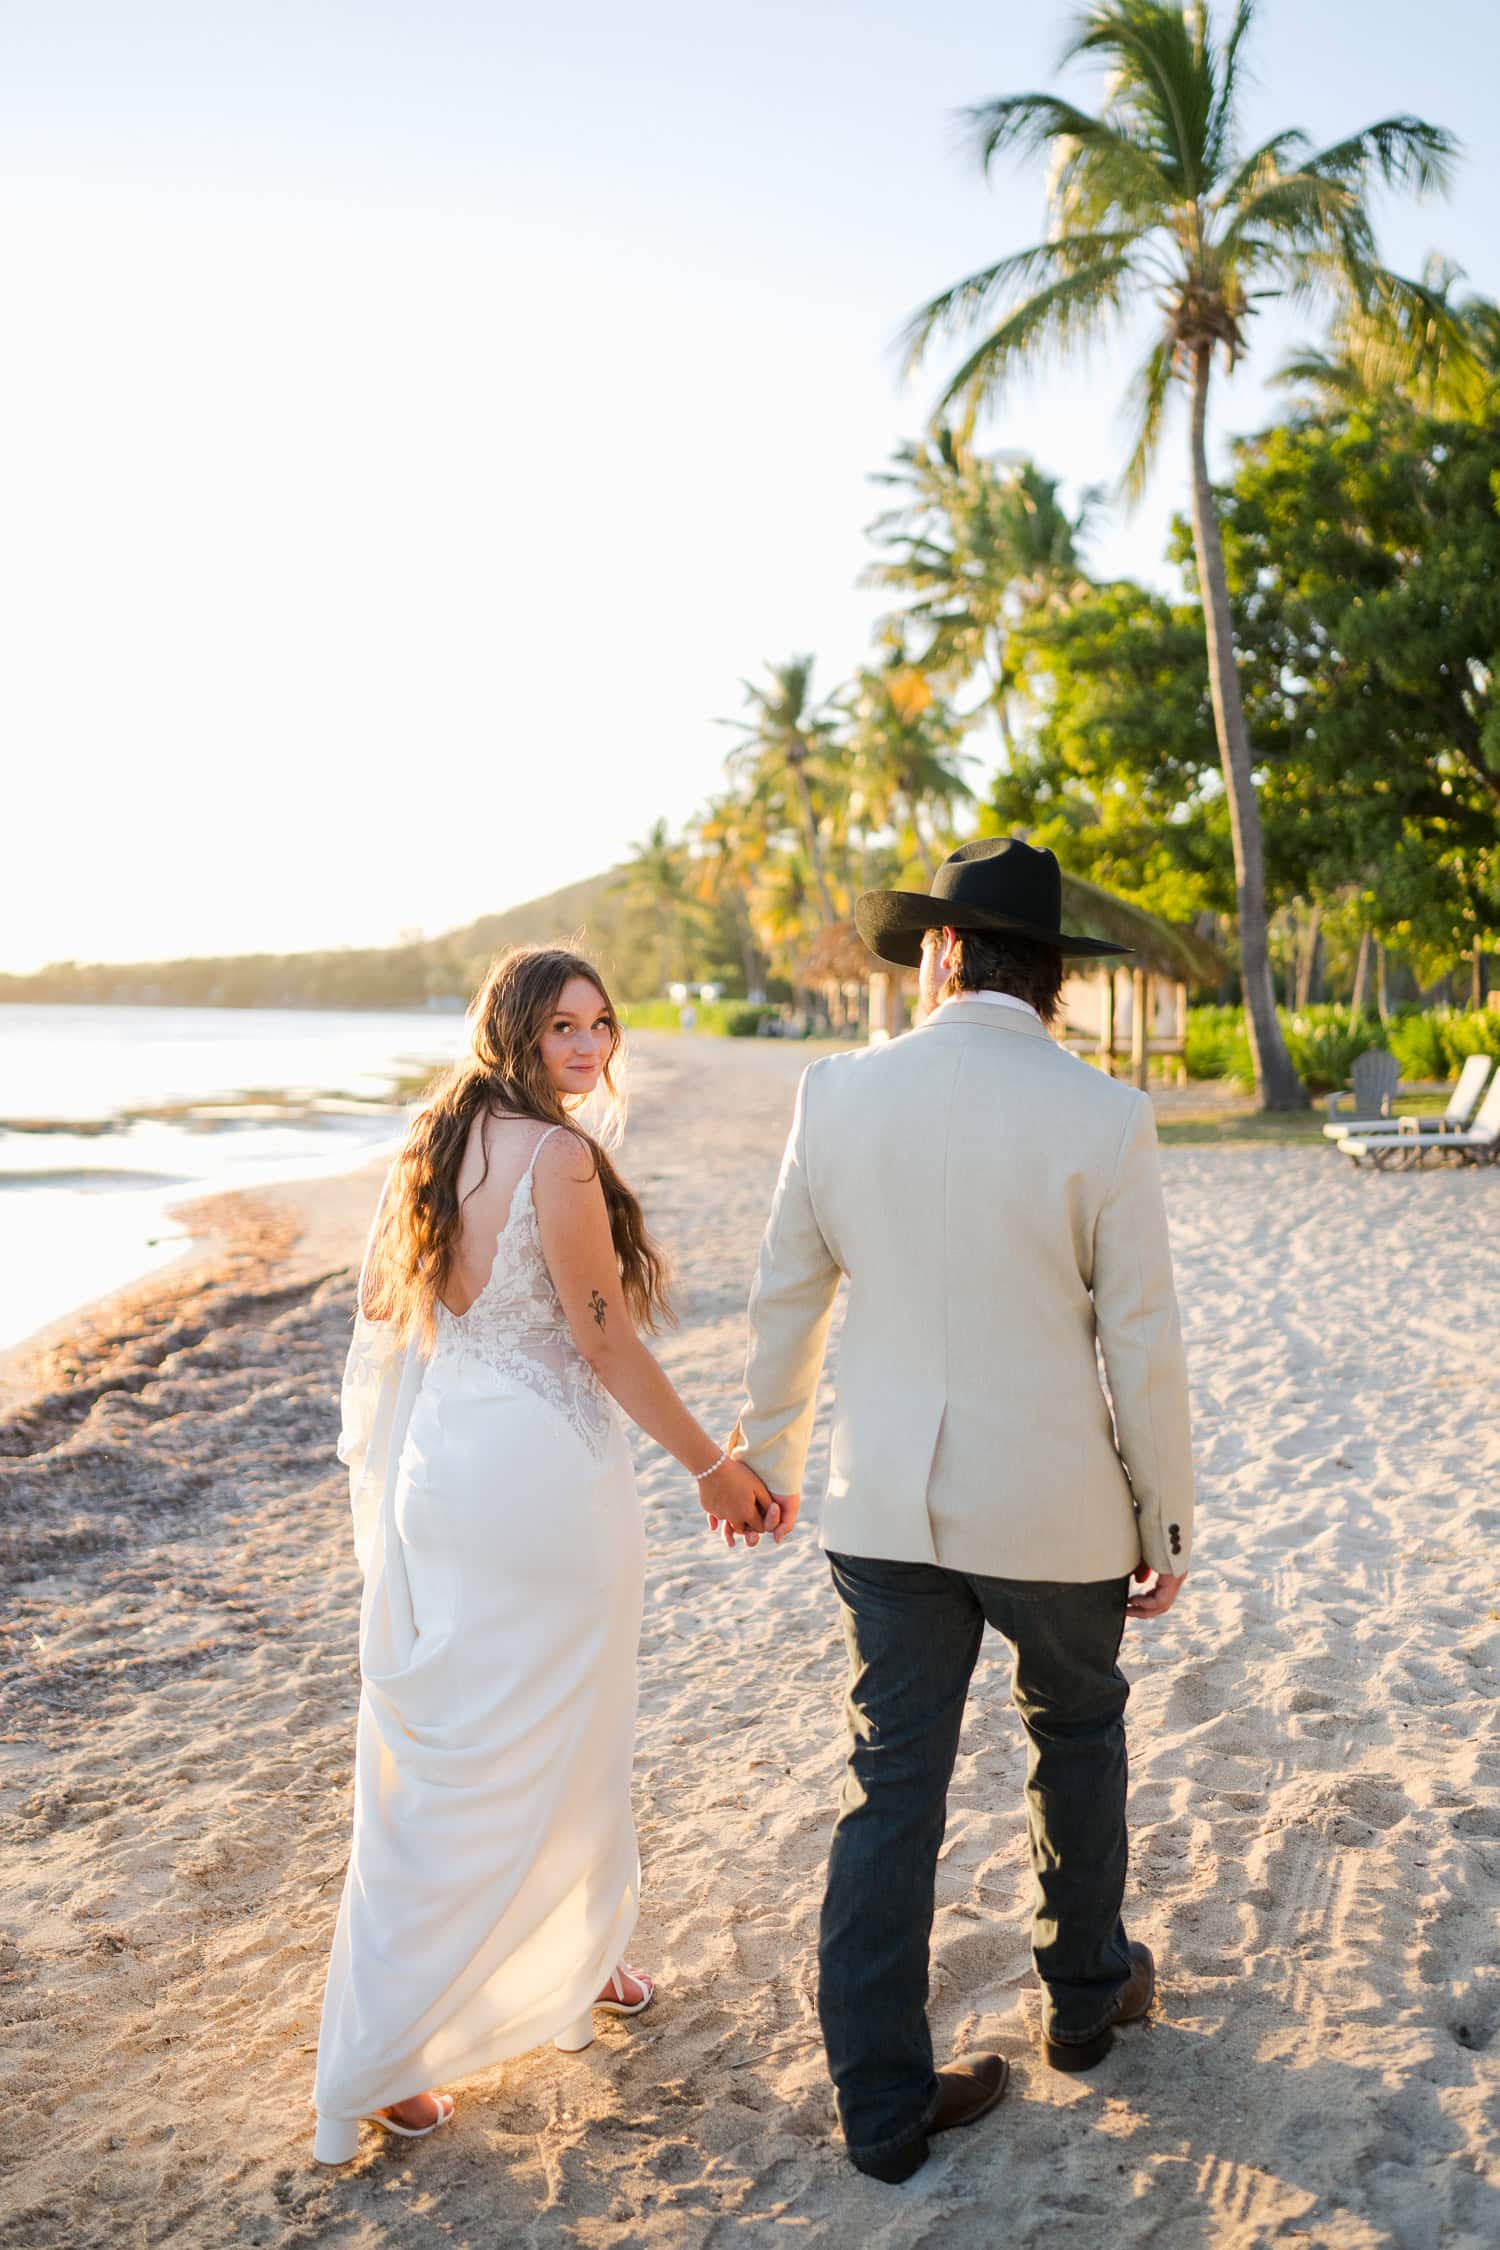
1314	1737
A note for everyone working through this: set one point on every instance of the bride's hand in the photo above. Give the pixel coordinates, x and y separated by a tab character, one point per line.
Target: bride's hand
785	1504
735	1497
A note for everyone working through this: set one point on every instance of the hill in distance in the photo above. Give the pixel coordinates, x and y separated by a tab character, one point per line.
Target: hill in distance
429	972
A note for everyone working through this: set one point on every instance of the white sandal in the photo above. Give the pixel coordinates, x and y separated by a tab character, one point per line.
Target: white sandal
580	2034
336	2140
620	2006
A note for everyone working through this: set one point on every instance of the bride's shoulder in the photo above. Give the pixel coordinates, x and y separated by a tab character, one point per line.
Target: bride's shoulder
563	1159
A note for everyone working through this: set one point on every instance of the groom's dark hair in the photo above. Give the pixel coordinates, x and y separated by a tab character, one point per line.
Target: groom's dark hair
991	962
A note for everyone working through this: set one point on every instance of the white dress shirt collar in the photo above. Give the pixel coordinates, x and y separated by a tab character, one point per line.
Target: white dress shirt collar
994	1000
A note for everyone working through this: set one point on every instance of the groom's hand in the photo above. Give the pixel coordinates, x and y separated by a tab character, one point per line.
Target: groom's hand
790	1504
1158	1598
779	1519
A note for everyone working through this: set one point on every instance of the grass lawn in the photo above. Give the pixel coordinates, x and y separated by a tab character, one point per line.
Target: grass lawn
1206	1116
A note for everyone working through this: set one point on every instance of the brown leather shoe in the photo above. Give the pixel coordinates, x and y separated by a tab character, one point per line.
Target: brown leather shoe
967	2090
1131	2003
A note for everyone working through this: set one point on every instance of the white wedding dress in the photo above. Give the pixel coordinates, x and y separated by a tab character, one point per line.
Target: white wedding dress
493	1878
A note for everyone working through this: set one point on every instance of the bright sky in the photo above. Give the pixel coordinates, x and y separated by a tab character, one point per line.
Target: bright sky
417	415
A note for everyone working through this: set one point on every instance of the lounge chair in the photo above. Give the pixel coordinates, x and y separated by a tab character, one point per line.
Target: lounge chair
1404	1151
1375	1077
1462	1103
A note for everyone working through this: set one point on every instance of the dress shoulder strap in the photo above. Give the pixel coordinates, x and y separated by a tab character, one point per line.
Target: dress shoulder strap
536	1152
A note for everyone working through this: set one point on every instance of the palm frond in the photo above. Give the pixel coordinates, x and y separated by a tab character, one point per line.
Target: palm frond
1068	312
1162	80
1331	375
1227	80
1029	122
1149	393
968	301
1404	152
1037	123
1275	159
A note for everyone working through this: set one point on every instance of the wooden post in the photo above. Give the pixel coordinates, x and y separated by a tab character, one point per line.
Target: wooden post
1107	1021
1140	1026
1180	1019
880	1007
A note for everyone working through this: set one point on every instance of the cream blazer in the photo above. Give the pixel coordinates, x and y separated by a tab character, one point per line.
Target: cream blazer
996	1209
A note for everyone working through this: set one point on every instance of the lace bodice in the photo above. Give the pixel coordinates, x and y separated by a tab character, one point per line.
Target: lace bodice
516	1327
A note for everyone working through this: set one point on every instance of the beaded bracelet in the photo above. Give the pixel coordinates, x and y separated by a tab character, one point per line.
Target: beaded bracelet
700	1476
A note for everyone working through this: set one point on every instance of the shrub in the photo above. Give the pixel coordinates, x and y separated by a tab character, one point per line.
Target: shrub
1212	1034
1475	1032
1438	1043
1417	1043
1322	1043
737	1018
1323	1052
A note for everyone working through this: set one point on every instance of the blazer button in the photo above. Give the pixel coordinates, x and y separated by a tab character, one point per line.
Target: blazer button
1176	1538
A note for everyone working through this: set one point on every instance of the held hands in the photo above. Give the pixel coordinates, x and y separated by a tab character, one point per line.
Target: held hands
735	1498
1158	1598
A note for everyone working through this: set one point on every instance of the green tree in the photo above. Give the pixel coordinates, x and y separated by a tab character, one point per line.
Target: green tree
1119	773
971	545
787	748
903	748
1425	347
730	848
1154	198
656	884
1363	558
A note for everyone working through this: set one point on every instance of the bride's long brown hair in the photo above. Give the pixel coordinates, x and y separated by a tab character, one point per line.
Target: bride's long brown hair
412	1253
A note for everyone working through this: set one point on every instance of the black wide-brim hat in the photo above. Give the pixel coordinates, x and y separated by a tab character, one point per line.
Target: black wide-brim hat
996	883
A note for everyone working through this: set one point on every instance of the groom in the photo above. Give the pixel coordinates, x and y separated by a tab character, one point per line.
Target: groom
995	1207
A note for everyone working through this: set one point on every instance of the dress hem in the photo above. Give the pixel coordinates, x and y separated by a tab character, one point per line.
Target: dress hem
488	2053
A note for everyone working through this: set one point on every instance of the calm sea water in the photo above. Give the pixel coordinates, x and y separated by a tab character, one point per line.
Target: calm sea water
83	1211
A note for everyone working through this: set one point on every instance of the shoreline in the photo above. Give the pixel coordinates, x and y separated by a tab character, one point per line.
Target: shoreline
280	1229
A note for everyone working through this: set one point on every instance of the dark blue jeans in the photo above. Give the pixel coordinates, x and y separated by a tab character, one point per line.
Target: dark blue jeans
913	1632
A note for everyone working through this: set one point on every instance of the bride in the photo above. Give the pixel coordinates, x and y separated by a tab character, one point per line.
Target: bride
493	1880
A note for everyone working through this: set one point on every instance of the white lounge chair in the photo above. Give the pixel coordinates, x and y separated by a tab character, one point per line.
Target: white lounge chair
1462	1103
1404	1151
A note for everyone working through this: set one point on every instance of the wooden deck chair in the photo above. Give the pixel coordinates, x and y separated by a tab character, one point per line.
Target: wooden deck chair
1375	1077
1456	1118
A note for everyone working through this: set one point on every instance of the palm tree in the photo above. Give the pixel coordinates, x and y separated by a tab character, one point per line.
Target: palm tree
731	850
1425	348
655	882
786	745
972	544
903	747
1153	198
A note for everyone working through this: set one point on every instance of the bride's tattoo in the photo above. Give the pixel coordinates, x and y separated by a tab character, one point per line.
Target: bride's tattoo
597	1303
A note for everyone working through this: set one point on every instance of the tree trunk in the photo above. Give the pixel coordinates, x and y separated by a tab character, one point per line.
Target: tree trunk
1382	1008
1361	975
750	954
1307	960
1476	978
1276	1083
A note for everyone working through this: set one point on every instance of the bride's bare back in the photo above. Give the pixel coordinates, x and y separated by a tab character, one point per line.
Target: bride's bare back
485	1197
